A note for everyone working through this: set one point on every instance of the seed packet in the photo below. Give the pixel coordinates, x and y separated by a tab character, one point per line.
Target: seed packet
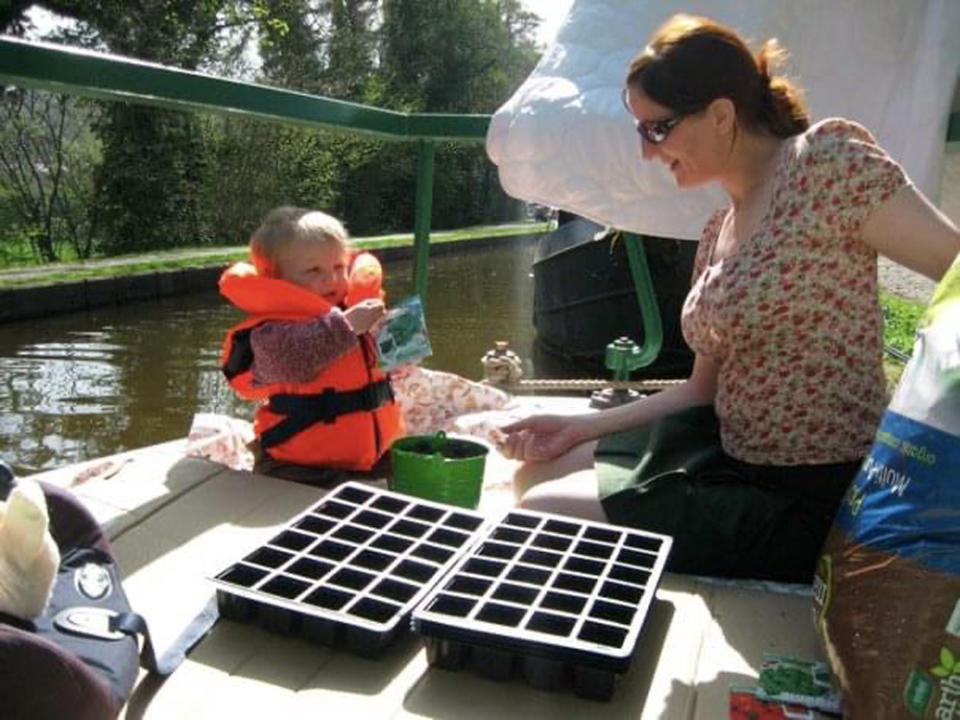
802	682
402	338
747	703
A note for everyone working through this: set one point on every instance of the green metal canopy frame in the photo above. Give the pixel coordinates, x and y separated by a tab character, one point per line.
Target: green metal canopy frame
64	69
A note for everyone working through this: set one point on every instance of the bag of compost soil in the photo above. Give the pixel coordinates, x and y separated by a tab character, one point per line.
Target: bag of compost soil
887	588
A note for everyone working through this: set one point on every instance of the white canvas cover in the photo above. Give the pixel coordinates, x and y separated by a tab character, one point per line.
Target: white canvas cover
564	138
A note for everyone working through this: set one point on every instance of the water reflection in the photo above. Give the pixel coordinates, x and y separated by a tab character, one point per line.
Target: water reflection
75	387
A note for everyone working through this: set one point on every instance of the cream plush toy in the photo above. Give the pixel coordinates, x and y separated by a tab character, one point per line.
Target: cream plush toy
29	557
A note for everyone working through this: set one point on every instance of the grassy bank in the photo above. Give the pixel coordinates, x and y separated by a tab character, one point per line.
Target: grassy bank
53	274
900	321
20	275
900	324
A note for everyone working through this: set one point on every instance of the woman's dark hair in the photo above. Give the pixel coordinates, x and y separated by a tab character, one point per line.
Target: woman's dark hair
691	61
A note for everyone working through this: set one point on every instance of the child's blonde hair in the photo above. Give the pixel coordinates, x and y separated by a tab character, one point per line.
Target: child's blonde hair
285	225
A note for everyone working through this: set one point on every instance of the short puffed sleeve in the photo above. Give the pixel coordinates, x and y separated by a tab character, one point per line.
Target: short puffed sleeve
849	174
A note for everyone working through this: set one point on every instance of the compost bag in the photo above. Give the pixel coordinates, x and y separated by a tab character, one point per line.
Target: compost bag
887	587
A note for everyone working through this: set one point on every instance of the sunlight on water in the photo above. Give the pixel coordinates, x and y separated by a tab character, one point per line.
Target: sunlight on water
80	386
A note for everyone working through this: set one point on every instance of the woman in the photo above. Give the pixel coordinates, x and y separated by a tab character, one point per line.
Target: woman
746	461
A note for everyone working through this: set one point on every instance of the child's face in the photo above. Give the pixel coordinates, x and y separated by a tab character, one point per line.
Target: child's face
320	267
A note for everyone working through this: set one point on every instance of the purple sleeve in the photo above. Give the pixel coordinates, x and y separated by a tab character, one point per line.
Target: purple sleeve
298	351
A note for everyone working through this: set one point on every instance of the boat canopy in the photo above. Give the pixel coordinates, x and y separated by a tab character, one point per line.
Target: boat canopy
564	139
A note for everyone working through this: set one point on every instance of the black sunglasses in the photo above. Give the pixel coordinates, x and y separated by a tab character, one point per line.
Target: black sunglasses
653	131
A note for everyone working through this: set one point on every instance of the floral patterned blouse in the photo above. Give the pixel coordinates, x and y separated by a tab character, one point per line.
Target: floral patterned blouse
792	316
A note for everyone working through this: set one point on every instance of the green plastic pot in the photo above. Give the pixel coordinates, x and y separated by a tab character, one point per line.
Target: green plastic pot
435	467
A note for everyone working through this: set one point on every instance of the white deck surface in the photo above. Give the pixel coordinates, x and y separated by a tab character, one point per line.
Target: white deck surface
176	520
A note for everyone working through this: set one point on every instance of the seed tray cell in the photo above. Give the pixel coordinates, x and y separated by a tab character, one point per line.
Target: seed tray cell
559	601
349	570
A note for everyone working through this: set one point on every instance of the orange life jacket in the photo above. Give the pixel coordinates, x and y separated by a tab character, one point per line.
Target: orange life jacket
346	416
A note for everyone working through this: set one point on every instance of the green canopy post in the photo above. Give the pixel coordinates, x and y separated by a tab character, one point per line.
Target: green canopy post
647	299
421	223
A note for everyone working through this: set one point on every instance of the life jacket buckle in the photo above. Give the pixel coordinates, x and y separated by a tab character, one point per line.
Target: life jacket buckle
370	396
302	411
327	406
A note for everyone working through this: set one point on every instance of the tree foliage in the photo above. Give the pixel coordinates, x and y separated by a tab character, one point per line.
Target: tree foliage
161	178
46	151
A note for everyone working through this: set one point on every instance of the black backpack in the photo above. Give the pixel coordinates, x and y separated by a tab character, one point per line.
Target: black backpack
81	658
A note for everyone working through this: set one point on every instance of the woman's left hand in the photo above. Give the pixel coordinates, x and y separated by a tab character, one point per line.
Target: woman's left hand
540	437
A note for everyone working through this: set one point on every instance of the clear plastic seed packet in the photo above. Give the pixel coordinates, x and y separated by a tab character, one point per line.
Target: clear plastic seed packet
402	338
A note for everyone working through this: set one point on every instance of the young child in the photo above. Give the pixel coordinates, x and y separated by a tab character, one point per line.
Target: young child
305	352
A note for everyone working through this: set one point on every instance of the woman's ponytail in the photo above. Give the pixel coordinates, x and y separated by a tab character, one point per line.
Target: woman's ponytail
781	107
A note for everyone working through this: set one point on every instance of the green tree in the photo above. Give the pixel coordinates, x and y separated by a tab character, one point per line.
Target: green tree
153	159
256	166
46	149
456	56
147	183
327	48
461	57
13	18
149	180
351	50
291	44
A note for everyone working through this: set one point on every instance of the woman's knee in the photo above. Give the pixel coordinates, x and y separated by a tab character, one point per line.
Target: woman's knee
574	495
538	497
532	474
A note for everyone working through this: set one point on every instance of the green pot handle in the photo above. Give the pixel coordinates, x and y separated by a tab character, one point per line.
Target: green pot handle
439	438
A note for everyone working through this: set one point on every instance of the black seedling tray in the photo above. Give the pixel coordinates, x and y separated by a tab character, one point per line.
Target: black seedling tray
348	571
560	600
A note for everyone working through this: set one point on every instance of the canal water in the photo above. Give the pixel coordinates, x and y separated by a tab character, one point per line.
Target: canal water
79	386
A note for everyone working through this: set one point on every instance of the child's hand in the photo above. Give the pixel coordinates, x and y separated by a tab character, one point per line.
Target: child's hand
364	315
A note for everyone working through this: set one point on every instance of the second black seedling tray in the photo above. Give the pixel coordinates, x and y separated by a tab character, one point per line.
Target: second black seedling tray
349	570
560	600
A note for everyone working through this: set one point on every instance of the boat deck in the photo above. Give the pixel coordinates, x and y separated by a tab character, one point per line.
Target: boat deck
175	520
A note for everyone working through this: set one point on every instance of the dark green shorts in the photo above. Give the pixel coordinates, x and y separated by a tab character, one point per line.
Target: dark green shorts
727	518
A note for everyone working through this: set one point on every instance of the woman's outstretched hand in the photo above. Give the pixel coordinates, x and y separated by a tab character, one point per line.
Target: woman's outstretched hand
540	437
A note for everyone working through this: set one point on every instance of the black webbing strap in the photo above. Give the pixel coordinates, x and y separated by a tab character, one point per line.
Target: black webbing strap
302	411
240	358
131	623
